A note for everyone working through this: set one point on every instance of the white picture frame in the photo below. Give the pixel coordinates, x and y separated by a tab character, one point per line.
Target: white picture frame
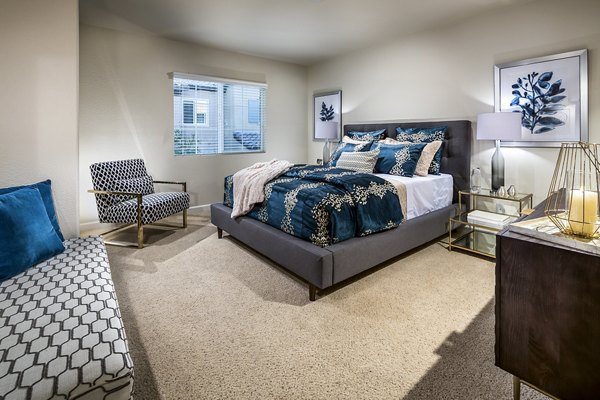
332	102
558	85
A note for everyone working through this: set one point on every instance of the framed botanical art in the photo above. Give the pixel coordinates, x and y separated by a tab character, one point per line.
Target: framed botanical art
551	93
327	115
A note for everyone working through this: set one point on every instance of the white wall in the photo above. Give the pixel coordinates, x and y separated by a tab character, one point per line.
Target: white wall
447	73
126	109
38	100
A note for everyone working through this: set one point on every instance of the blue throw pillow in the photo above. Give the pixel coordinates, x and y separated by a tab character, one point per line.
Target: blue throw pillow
366	136
342	147
425	135
26	235
45	189
399	159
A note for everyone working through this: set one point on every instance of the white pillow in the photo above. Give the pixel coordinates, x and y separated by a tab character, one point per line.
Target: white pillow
389	140
426	157
346	139
361	161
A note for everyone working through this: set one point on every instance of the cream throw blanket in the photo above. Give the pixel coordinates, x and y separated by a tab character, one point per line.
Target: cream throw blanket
249	184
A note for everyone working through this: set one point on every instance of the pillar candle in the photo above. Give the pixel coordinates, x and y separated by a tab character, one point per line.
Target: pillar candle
583	211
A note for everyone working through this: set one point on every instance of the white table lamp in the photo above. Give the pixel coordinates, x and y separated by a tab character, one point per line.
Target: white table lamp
498	126
327	130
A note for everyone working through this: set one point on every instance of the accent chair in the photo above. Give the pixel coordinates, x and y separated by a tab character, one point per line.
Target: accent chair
125	195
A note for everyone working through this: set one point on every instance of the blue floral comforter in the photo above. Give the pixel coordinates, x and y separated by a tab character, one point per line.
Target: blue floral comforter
326	204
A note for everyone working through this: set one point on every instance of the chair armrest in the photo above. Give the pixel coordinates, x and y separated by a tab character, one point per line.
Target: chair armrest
183	184
108	192
137	195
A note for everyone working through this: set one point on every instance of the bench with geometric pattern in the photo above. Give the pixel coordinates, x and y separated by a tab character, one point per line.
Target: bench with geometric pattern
61	333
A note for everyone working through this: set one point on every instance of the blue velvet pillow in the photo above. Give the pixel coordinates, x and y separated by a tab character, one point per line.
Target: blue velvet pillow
342	147
45	189
366	136
26	235
399	159
425	135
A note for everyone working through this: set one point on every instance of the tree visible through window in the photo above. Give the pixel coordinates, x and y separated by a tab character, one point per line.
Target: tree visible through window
217	116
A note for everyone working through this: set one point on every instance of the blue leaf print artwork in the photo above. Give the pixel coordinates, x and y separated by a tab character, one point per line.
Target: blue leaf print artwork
326	113
539	101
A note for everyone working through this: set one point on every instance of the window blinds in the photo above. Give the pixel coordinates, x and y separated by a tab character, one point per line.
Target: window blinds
214	115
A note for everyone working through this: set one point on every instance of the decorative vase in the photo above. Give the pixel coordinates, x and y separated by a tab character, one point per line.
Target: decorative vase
511	191
476	180
497	168
328	130
326	152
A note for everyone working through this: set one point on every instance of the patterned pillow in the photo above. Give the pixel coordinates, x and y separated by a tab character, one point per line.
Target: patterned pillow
425	135
399	159
345	147
427	155
361	161
366	136
421	135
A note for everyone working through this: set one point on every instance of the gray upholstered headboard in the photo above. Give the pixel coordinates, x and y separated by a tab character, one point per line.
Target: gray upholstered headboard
456	159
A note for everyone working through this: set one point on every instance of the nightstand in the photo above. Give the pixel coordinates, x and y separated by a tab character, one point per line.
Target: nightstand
482	215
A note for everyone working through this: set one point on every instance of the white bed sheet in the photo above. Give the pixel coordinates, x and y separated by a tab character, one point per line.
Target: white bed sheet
424	194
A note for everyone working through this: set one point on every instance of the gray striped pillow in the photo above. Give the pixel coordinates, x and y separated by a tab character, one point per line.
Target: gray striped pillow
358	161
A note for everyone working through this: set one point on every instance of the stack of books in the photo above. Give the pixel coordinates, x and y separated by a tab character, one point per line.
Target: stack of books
489	219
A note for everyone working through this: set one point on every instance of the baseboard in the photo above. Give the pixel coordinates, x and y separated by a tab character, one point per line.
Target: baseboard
96	225
202	210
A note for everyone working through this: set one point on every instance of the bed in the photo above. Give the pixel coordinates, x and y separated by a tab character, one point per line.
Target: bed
324	267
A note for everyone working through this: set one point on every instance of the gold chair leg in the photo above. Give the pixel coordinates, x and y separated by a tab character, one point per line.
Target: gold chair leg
140	227
140	235
516	388
185	218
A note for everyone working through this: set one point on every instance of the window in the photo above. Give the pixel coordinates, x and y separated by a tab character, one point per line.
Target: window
213	115
253	111
195	112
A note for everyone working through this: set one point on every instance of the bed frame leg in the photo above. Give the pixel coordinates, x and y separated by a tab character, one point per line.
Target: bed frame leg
219	233
312	292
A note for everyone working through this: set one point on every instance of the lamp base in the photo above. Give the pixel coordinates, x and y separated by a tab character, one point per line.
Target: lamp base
326	152
497	168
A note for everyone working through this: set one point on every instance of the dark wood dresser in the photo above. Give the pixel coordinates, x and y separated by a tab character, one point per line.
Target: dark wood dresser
548	315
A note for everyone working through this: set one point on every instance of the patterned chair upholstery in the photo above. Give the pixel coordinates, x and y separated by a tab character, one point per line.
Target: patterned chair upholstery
125	195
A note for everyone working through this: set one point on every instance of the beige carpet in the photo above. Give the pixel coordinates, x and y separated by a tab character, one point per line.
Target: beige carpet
210	319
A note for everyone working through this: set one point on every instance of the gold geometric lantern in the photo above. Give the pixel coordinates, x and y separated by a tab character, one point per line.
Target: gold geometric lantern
573	197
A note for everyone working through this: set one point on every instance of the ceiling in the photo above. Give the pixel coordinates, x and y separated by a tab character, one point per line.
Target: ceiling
298	31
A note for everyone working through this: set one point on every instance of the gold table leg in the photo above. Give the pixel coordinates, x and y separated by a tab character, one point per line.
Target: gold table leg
516	388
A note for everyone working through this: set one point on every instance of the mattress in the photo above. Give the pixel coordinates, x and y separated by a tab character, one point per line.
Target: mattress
424	194
61	333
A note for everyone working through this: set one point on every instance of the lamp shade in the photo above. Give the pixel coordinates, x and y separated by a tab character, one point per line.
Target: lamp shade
327	130
499	126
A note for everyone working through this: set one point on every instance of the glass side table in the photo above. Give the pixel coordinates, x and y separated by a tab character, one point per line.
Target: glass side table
490	213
